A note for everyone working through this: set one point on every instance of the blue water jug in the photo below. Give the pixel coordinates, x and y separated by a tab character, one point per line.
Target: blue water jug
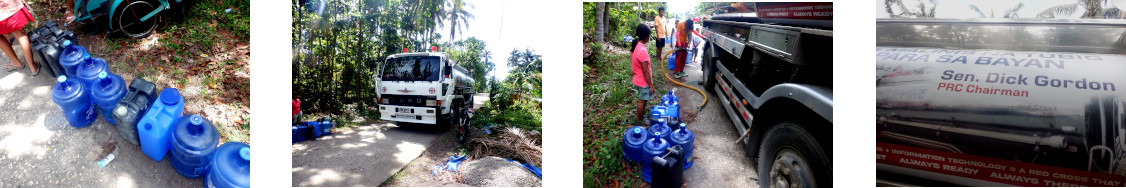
88	71
322	128
660	127
230	166
655	146
108	89
74	100
155	127
129	110
685	139
672	104
72	55
656	113
671	61
194	138
632	140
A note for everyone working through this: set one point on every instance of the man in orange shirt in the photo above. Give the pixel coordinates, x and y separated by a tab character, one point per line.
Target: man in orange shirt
659	23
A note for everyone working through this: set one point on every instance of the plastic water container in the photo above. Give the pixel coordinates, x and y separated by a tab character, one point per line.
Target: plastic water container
299	132
74	100
322	128
155	127
107	90
668	170
656	113
129	110
72	55
685	139
88	71
662	128
653	147
632	139
230	166
194	139
672	104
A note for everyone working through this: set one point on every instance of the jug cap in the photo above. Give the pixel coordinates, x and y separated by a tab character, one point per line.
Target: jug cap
62	78
636	130
66	43
102	75
196	120
120	110
244	152
170	96
682	125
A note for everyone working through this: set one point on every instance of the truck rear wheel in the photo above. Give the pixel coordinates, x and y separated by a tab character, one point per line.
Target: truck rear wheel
709	69
791	157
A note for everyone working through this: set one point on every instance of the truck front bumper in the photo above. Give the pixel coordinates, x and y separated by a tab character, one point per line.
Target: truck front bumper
408	114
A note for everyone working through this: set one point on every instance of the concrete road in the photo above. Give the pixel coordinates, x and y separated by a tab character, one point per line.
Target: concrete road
38	148
718	162
364	155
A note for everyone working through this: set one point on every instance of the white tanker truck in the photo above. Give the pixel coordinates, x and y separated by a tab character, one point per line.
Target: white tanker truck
425	88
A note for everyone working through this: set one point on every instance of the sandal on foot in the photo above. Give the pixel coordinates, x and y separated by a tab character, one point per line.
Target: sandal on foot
9	68
36	71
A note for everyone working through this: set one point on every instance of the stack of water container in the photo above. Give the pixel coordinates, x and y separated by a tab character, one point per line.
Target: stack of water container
47	44
156	123
660	146
309	130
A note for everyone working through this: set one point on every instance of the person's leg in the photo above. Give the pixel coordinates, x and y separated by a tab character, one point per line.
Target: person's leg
680	57
7	47
641	111
25	44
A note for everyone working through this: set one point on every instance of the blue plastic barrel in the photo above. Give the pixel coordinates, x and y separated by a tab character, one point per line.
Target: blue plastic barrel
632	140
74	100
654	147
71	56
88	71
230	166
662	128
155	127
299	132
107	90
194	138
685	139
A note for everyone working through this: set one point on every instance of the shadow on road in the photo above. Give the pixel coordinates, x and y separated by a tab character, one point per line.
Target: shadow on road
359	156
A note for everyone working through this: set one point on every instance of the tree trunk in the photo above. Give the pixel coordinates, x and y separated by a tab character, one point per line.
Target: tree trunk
600	29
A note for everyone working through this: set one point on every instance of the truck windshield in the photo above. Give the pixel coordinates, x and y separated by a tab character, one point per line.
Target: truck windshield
418	68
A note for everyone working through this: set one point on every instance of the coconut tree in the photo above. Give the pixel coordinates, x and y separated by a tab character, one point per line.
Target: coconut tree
458	16
1009	13
1090	8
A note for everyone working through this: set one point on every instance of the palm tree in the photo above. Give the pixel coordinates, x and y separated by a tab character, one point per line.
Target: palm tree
922	12
457	14
1009	13
1091	9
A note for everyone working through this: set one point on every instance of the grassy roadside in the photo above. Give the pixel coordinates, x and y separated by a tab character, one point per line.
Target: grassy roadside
610	98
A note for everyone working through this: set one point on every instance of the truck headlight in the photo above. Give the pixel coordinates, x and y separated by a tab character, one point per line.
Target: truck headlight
431	102
384	100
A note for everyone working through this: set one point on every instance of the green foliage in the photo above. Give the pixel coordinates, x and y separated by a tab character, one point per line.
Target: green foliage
622	17
516	101
338	46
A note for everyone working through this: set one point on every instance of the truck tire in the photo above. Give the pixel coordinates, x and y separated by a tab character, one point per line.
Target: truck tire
709	69
791	157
